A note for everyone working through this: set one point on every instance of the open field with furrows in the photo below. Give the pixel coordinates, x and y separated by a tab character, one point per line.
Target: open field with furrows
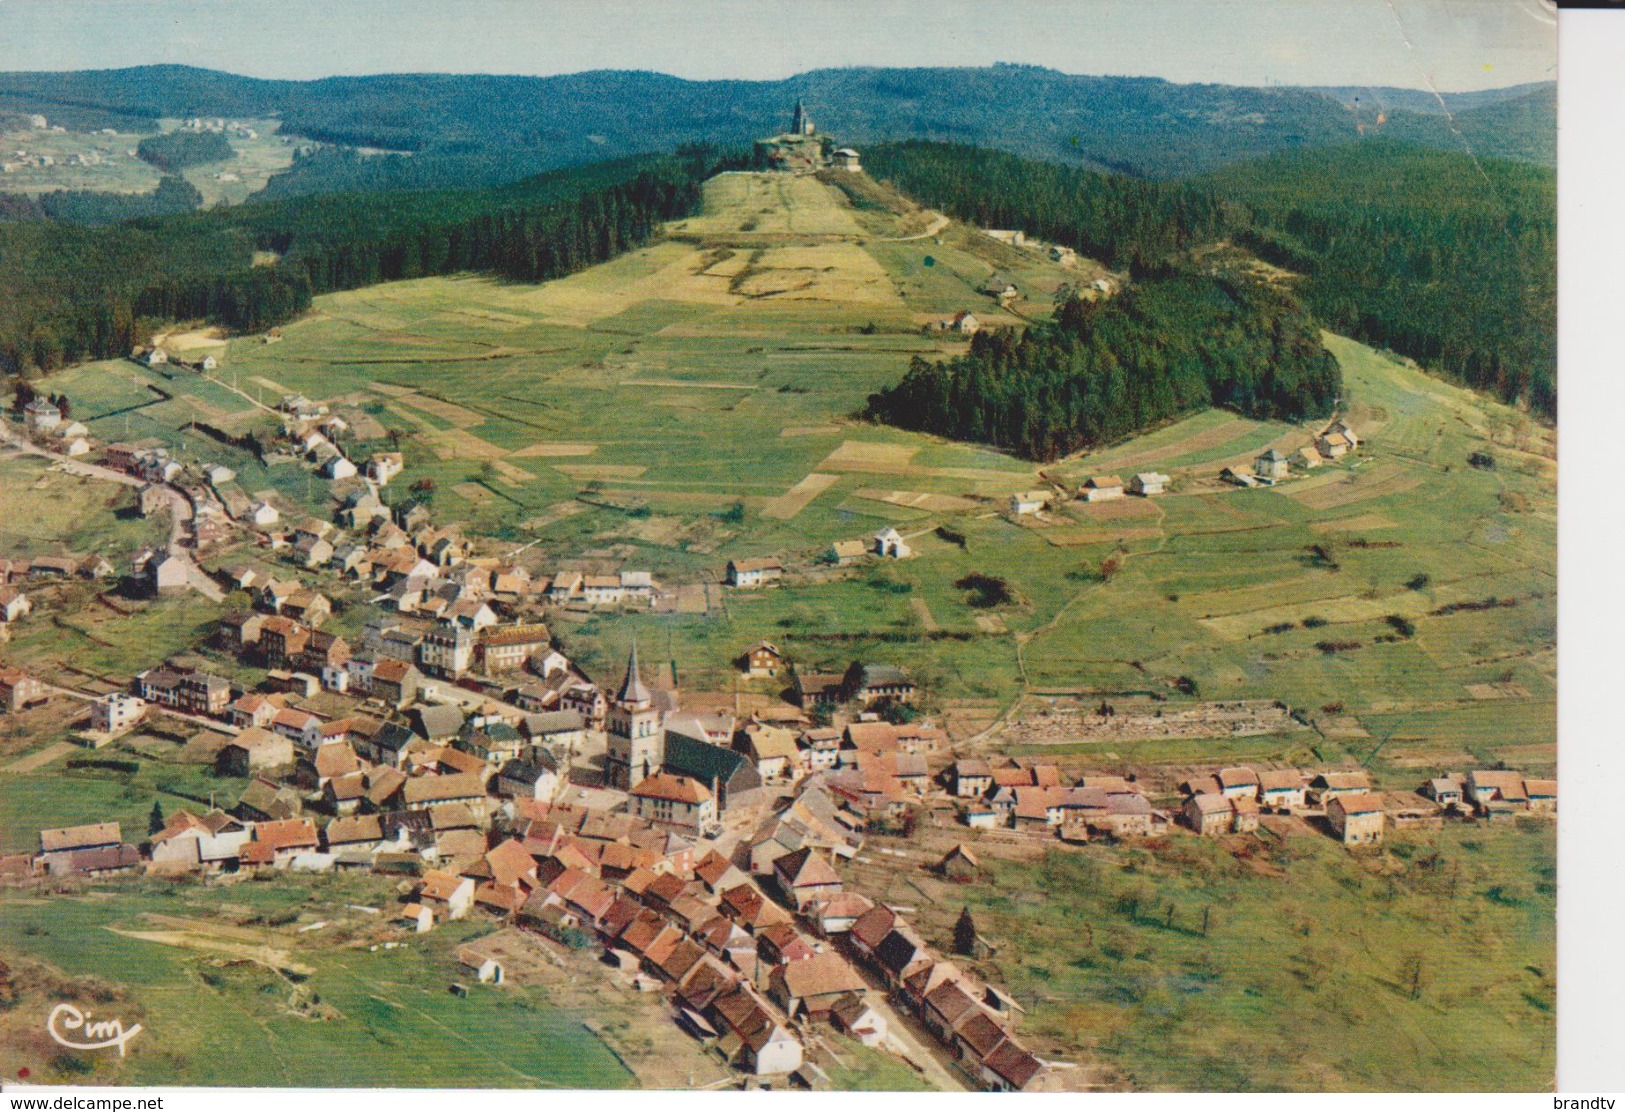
206	967
690	403
1269	962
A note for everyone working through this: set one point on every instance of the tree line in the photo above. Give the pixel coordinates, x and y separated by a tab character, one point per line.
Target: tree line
1448	259
1173	343
71	293
1442	257
1124	222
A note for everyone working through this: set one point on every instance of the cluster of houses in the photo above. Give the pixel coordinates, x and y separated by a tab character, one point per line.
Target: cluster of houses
25	580
48	419
1332	443
1097	488
1031	795
1022	794
768	571
1230	800
751	954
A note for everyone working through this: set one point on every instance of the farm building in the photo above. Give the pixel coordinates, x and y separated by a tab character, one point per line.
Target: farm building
19	690
757	572
1101	488
845	158
762	659
1148	483
1357	818
1306	457
842	553
1028	502
1271	466
889	543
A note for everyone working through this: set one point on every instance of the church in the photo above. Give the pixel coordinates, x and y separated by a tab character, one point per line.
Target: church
636	728
801	150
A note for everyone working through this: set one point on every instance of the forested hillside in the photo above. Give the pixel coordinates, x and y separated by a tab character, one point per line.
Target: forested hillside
480	129
70	293
1443	257
1168	345
1120	220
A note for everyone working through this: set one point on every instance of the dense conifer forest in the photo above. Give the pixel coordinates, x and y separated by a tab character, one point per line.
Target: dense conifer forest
1170	344
1443	257
1446	258
176	150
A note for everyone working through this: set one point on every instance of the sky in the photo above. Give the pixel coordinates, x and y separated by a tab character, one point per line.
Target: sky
1447	45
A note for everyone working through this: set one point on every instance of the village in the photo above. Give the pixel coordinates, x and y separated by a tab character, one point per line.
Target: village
695	838
384	692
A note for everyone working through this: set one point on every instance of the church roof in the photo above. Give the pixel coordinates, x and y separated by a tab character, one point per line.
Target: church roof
632	688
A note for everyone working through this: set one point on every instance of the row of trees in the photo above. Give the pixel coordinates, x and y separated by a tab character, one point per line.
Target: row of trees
1171	344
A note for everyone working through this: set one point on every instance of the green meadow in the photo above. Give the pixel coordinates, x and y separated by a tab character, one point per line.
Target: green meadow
1294	966
334	1014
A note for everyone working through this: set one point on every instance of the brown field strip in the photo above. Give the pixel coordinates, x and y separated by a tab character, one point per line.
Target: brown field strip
449	412
514	476
809	430
914	500
461	444
1071	538
787	505
856	455
688	384
41	759
1116	509
601	470
554	450
1362	523
1342	495
928	621
1234	429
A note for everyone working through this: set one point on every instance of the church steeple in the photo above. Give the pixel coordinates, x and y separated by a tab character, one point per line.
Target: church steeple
801	123
632	691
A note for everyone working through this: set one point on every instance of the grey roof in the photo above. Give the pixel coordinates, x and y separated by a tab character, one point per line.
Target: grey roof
632	689
392	736
442	720
528	772
555	721
688	756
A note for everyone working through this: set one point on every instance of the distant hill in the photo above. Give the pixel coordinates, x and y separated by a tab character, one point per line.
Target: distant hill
1522	128
473	130
1385	98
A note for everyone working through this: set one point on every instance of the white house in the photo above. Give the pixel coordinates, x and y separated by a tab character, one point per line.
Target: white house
890	543
263	513
339	467
1028	502
1102	488
1148	483
116	712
